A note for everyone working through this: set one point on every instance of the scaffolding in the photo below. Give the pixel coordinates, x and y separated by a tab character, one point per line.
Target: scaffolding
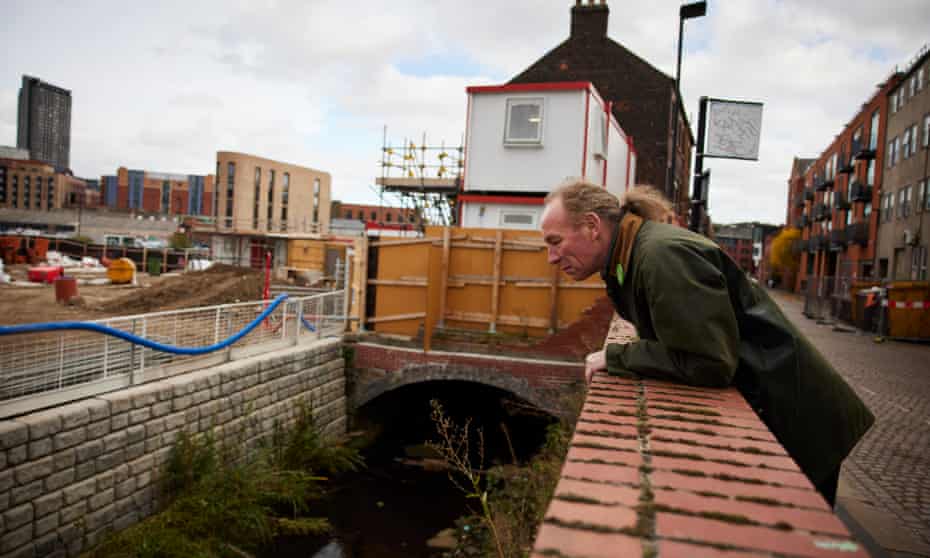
422	177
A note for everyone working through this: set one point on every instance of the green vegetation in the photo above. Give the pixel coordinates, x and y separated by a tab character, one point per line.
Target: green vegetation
179	241
513	498
224	502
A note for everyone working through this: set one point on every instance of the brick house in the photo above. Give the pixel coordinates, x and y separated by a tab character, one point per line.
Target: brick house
642	97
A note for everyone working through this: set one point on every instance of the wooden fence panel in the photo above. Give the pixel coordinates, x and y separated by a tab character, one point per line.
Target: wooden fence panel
447	279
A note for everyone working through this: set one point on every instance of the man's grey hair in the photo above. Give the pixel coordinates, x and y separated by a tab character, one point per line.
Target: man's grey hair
580	197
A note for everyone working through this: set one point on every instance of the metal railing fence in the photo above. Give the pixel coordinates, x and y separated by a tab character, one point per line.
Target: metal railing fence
38	370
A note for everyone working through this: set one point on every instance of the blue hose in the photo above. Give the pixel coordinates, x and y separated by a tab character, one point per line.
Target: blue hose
106	330
307	324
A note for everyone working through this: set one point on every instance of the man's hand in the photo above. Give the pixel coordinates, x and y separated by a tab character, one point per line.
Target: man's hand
594	362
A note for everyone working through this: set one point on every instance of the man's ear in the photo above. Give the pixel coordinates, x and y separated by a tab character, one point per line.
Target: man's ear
592	222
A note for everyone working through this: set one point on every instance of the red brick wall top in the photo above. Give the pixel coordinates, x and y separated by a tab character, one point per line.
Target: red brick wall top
665	470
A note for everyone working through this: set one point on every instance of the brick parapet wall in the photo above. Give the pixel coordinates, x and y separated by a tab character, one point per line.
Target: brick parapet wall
71	474
664	470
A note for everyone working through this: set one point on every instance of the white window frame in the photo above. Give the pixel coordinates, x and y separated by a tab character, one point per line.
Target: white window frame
518	101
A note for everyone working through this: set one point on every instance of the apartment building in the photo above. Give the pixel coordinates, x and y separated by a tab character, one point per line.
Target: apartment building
736	241
158	192
44	122
257	195
34	185
833	198
904	229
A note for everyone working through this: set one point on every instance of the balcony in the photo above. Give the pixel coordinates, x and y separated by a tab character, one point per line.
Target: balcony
861	151
844	165
857	233
804	221
860	192
840	202
809	194
837	240
821	212
820	184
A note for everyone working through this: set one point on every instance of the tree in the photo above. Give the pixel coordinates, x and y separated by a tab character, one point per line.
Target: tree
783	257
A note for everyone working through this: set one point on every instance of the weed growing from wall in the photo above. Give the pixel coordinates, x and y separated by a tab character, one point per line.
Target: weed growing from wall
224	501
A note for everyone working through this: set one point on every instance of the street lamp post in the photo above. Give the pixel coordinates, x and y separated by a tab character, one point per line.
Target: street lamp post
687	11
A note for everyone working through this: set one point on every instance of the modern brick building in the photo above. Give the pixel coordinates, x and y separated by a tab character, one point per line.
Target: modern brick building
642	98
904	229
833	199
257	195
34	185
376	214
158	192
736	241
44	122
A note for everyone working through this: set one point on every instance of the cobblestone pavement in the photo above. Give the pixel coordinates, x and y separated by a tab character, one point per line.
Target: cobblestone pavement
891	465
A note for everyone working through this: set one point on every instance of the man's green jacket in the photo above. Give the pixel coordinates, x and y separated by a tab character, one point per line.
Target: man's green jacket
702	322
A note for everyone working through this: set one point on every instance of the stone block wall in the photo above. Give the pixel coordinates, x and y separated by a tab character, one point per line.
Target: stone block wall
71	474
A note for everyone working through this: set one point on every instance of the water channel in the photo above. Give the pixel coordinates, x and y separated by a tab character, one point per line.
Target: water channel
403	498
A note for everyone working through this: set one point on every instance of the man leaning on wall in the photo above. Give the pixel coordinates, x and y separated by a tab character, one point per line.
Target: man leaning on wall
702	322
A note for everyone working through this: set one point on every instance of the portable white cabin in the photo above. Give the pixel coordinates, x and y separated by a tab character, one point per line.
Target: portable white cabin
521	140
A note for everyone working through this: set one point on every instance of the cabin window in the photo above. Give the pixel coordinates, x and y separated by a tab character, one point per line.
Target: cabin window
523	219
524	121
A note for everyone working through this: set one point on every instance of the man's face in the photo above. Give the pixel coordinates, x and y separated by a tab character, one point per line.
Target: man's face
576	249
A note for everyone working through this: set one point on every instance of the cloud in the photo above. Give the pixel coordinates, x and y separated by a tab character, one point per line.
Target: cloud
165	85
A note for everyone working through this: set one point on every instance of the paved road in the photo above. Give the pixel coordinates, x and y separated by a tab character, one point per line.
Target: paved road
885	483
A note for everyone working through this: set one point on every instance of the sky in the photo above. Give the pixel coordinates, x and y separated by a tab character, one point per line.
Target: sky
164	85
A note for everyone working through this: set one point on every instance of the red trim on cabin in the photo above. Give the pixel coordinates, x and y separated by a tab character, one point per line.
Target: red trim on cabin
584	150
606	138
518	87
515	200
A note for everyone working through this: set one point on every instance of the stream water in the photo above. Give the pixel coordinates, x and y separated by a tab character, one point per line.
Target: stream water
401	499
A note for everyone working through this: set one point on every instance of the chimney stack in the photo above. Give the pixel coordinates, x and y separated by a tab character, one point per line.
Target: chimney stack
589	19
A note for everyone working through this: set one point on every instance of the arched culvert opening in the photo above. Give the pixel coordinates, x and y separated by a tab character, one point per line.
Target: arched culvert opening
400	420
402	499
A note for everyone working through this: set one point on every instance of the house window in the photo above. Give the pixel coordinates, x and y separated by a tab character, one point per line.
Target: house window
257	196
894	103
921	195
520	219
914	139
919	263
388	217
891	153
285	194
926	130
524	121
920	79
896	152
270	209
873	137
906	144
348	214
316	201
913	85
906	210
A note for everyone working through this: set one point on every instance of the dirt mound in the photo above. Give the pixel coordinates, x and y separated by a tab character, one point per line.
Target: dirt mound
221	284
